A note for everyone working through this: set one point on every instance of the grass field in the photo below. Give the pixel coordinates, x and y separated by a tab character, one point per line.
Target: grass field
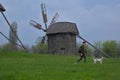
26	66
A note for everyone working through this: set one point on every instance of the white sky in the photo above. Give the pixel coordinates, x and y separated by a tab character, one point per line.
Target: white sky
97	20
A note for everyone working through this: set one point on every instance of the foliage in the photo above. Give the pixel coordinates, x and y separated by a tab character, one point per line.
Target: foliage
5	47
98	53
110	47
40	48
98	45
25	66
118	49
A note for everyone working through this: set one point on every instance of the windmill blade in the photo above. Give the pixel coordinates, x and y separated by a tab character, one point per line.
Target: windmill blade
44	14
55	17
36	25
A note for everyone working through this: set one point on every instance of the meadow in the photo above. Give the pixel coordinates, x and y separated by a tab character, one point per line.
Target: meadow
27	66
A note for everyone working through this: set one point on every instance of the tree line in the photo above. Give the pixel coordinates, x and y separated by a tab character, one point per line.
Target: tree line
109	48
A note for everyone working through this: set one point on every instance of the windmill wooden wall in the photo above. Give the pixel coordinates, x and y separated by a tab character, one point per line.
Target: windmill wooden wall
62	38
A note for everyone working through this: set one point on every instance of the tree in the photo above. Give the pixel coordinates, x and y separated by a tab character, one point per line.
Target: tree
118	49
40	47
99	46
110	48
5	47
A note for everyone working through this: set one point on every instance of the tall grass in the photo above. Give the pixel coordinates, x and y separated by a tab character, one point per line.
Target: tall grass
26	66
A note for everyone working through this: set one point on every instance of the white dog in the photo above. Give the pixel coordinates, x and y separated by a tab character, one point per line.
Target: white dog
100	60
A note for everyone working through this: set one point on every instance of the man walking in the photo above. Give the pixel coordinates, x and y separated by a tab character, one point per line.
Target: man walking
82	53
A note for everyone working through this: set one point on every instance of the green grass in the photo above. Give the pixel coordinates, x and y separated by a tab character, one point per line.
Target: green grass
25	66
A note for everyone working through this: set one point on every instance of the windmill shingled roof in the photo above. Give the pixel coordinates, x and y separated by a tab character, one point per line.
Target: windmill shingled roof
62	27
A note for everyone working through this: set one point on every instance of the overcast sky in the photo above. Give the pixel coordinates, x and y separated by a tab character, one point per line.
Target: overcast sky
97	20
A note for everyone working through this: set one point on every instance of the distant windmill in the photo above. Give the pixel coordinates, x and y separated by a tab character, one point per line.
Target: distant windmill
2	9
44	15
12	36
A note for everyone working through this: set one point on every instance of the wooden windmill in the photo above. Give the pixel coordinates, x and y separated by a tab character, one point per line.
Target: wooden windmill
61	35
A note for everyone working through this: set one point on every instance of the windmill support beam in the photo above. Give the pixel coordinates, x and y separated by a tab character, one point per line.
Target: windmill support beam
12	29
93	46
88	42
10	40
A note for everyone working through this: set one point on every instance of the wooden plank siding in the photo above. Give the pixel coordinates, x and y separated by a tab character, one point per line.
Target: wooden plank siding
62	42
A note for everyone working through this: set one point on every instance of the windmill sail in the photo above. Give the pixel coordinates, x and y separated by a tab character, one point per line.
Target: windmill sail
44	14
36	25
54	19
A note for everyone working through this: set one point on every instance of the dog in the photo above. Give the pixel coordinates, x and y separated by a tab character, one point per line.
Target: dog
100	60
